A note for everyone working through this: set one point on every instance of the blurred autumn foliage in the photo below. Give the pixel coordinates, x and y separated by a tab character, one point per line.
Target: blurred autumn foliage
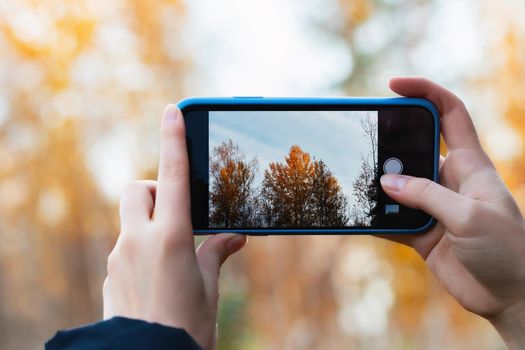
74	76
80	78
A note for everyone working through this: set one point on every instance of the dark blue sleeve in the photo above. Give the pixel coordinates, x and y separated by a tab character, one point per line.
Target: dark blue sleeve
123	333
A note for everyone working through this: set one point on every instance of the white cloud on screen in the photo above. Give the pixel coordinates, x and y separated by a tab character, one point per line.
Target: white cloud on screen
336	137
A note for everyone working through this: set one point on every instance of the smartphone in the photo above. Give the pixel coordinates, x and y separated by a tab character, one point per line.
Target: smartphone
285	166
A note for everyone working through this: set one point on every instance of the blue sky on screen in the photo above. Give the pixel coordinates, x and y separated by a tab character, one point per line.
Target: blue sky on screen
336	137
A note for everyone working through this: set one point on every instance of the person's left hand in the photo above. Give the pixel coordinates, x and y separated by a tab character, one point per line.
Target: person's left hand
154	272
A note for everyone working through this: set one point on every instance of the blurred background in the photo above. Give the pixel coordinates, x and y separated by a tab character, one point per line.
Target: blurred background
82	87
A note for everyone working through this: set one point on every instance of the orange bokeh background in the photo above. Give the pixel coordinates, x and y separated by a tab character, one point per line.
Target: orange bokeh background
82	86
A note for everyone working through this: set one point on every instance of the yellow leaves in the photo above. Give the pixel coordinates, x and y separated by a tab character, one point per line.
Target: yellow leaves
512	85
52	206
357	11
65	73
151	19
507	83
13	194
37	32
54	38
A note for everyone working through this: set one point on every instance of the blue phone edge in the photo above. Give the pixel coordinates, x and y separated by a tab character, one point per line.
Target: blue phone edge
351	101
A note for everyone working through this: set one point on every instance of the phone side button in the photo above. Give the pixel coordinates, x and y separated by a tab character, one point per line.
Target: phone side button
248	97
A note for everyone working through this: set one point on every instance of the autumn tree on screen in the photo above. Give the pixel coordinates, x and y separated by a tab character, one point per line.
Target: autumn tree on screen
286	190
328	201
301	192
365	186
232	201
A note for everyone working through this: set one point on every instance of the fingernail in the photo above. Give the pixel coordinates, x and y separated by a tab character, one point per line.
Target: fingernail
393	182
235	242
171	112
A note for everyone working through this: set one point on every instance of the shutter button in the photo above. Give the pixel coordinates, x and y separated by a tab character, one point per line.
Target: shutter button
393	166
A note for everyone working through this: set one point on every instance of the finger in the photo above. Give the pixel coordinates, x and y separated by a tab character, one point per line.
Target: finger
136	203
173	188
447	206
457	127
422	243
212	253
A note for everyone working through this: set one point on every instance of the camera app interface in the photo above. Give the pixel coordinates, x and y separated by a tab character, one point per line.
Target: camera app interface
295	169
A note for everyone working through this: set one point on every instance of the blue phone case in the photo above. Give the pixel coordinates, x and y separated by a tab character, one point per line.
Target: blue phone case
324	101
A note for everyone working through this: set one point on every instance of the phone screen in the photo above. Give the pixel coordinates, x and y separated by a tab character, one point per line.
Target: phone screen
296	169
302	168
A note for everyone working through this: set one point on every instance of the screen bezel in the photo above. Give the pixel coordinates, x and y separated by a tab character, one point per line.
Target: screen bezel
197	139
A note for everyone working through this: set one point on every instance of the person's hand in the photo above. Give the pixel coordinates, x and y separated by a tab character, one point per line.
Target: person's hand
477	248
154	273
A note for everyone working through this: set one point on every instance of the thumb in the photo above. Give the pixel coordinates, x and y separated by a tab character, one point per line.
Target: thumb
212	253
448	207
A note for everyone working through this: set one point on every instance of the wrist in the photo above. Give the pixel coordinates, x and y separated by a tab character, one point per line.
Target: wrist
510	324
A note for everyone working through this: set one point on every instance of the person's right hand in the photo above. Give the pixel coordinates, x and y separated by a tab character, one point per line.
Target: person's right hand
477	248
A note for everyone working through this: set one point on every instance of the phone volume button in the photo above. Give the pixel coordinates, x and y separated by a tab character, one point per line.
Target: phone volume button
248	97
